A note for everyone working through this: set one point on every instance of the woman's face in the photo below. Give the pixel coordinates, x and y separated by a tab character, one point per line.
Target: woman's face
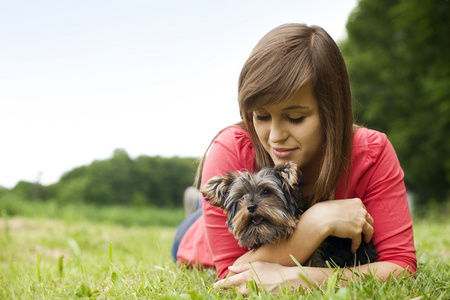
291	131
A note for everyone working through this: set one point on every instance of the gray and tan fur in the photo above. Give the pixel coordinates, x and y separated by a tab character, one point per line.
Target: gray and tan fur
261	207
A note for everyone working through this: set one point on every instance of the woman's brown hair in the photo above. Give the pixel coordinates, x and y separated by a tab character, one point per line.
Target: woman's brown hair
284	60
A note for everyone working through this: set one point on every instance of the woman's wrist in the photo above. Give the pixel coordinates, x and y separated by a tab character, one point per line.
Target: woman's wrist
317	222
305	276
294	276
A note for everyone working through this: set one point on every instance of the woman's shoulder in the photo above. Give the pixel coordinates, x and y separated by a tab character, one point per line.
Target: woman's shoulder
368	143
373	158
232	134
236	139
231	150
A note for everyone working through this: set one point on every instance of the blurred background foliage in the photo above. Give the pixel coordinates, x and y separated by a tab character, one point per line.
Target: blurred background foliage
144	181
398	55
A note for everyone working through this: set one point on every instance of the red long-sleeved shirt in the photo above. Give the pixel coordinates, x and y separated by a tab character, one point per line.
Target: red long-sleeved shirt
375	177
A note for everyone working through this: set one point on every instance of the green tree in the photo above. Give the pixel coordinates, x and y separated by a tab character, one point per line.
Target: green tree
109	180
121	180
29	190
70	187
398	58
155	181
163	180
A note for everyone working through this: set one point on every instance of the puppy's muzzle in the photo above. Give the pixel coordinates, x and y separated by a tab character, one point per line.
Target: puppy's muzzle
252	208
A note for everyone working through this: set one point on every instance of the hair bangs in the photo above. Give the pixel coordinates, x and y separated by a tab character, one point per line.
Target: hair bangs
276	69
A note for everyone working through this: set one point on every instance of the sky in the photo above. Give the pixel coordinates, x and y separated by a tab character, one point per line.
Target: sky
79	79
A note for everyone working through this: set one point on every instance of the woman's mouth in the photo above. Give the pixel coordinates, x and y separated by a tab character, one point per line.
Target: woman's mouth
282	152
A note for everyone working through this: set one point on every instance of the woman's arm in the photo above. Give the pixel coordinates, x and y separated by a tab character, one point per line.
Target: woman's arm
341	218
275	276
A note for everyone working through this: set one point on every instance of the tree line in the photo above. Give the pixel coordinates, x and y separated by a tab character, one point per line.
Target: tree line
146	180
397	52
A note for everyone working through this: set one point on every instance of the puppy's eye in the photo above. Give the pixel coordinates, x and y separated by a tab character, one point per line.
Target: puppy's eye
266	192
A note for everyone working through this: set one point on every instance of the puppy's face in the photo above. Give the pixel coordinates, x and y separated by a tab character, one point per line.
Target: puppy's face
261	208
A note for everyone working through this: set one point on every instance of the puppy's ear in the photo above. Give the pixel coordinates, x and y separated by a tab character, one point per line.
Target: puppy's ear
289	174
291	183
216	189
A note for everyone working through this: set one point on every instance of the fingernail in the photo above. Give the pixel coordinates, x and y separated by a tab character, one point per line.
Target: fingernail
216	285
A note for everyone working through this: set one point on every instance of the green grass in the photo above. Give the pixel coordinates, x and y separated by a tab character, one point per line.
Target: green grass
74	212
71	258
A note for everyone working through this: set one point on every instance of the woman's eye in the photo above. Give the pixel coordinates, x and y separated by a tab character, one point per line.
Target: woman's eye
262	118
296	120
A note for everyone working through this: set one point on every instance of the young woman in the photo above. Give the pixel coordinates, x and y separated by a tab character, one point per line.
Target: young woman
295	104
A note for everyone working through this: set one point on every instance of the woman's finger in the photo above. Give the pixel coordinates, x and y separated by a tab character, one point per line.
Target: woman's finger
219	284
239	268
227	282
369	219
368	232
235	280
230	281
243	290
356	241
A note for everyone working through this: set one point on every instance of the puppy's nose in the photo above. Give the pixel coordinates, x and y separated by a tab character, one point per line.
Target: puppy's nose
252	207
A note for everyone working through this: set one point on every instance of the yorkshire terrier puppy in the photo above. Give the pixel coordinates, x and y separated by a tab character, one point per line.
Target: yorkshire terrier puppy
264	207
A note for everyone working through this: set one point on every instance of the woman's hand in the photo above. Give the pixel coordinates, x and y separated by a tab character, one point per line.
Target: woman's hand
347	218
275	277
270	275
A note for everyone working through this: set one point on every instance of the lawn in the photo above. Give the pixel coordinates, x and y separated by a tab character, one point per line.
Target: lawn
75	257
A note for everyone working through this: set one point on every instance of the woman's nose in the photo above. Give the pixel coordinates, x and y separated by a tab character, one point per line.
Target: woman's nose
278	132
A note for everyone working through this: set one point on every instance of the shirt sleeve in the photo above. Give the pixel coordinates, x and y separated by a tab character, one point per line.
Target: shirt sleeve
382	190
231	151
